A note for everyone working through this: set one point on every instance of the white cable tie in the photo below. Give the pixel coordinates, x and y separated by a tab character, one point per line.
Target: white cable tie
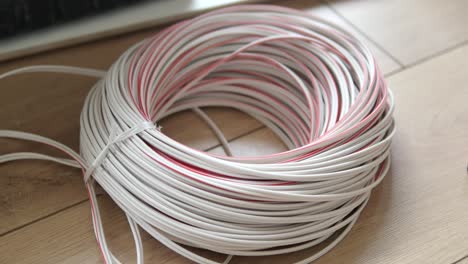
113	139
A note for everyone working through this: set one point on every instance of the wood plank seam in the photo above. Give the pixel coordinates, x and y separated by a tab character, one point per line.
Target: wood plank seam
437	54
17	228
460	260
427	59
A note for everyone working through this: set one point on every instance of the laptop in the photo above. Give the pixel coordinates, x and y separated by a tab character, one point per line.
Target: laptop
79	24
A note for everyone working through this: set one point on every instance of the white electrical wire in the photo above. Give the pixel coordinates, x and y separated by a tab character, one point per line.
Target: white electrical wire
317	87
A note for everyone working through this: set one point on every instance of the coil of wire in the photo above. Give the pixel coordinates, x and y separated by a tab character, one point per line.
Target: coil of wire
316	86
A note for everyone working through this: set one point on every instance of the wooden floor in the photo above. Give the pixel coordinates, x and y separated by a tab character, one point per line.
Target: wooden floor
419	214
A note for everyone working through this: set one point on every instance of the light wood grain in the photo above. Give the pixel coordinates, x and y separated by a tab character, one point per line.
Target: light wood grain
410	30
417	215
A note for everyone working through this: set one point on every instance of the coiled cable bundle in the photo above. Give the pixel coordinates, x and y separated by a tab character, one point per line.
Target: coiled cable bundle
315	86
